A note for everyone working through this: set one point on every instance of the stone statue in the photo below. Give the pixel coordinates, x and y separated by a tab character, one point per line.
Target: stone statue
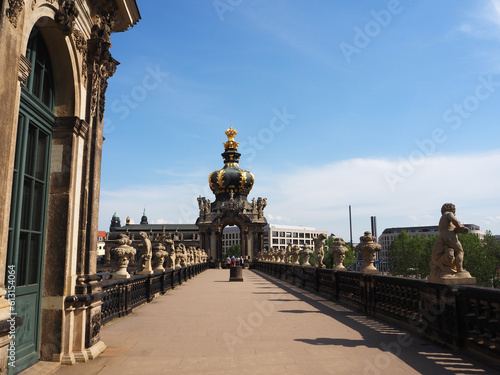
182	253
295	255
305	253
338	250
368	248
448	254
319	244
288	252
146	256
159	257
123	252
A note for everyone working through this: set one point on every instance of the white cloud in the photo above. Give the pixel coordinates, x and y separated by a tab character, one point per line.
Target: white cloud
319	196
484	22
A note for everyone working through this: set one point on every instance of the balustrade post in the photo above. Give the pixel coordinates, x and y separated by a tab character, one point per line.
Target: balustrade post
149	294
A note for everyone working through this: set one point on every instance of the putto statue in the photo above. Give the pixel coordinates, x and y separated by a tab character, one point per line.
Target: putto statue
448	254
146	256
319	244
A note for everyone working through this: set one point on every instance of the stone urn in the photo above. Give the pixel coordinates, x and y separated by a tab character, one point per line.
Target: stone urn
123	253
282	256
368	248
295	255
305	253
338	250
159	257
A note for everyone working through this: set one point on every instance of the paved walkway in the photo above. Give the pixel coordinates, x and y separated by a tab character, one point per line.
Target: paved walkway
261	326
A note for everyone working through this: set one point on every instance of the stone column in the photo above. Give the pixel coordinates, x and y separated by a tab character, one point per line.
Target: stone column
14	72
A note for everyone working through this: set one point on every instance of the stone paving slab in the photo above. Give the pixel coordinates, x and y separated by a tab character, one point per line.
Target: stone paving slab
261	326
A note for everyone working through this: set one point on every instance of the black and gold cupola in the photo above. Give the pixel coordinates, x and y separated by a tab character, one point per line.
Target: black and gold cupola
231	180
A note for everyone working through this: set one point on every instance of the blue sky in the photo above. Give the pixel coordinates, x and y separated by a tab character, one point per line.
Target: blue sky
389	106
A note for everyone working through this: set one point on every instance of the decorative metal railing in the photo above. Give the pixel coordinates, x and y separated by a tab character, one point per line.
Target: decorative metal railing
465	317
121	296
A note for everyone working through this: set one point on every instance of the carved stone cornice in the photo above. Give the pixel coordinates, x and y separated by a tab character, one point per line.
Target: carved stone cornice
15	7
24	69
66	15
104	19
71	124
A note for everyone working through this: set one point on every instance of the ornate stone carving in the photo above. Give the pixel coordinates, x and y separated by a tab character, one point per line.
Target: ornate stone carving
101	64
66	15
295	255
123	252
288	252
15	8
447	253
319	244
338	250
81	45
368	248
305	253
147	255
159	257
95	328
24	69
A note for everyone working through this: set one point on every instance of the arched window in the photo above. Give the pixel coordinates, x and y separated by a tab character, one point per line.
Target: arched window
29	197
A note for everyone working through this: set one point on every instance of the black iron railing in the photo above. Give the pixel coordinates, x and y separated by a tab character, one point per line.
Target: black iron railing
121	296
466	317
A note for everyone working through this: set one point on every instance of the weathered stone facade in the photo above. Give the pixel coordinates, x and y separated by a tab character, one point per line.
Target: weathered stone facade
64	322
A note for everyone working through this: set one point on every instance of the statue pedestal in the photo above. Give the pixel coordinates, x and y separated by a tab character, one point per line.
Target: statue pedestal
235	273
454	280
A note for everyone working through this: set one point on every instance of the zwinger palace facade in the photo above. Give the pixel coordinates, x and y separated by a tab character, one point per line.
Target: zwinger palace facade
55	61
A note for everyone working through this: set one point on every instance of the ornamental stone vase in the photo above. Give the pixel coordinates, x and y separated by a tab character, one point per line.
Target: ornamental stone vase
368	248
159	257
305	253
295	255
338	250
123	253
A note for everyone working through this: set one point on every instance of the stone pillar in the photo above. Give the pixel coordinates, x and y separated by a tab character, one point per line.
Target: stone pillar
11	78
69	137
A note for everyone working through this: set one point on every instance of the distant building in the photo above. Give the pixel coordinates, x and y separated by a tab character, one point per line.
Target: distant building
179	233
275	236
101	238
389	234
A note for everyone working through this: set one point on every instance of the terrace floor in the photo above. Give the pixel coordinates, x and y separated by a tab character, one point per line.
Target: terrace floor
261	326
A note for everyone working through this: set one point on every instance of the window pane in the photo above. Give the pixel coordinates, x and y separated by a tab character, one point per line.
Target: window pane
21	259
26	205
34	256
37	207
41	156
30	150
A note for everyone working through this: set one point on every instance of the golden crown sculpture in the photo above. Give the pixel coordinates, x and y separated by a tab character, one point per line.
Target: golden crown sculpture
231	133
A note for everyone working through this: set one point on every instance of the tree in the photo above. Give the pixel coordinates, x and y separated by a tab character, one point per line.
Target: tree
233	250
410	256
477	258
